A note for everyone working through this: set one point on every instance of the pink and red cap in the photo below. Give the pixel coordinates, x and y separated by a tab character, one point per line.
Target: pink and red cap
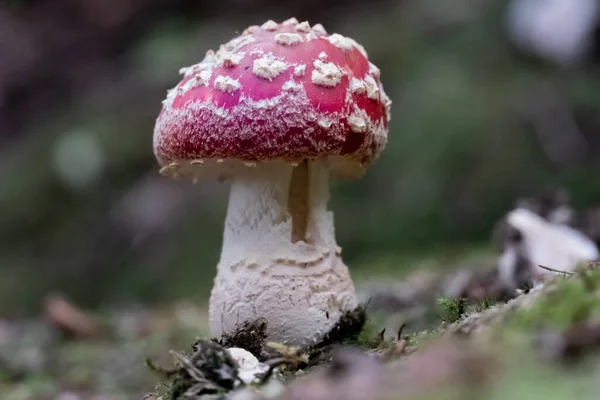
284	91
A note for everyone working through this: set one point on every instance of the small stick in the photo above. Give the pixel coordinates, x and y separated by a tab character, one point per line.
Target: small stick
399	335
274	363
556	270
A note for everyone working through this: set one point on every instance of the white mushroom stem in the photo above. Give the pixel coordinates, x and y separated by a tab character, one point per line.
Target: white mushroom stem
280	259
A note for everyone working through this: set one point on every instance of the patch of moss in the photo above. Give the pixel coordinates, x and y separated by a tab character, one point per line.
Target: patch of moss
346	332
370	335
419	339
451	310
348	328
572	300
484	304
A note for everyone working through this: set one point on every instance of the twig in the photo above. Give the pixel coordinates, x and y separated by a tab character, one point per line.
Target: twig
400	330
274	363
556	270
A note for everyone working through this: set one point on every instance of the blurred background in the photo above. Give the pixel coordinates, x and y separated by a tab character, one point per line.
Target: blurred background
487	107
493	100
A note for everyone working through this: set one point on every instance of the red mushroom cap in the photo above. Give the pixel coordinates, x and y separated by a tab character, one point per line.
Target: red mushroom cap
277	92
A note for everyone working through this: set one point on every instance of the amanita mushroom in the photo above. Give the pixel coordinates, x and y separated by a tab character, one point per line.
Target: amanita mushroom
276	111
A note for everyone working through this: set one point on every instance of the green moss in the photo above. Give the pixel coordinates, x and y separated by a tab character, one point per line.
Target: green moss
451	310
345	333
348	328
573	300
370	336
421	338
482	305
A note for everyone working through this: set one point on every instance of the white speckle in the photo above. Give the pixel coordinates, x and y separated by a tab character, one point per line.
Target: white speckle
204	76
319	29
303	27
322	56
201	78
257	52
208	63
357	123
184	70
291	86
209	58
290	21
373	70
236	44
300	70
341	42
358	46
357	86
226	84
288	39
372	88
230	60
387	102
326	74
188	71
270	25
251	30
268	67
311	36
325	122
197	162
171	94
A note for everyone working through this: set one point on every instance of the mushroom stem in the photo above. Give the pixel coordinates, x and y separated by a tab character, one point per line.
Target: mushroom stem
278	209
280	259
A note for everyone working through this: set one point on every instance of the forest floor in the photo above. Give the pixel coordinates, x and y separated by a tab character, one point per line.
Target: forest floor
541	344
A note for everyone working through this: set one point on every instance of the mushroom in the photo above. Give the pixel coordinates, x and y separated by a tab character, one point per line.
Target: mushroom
532	241
277	111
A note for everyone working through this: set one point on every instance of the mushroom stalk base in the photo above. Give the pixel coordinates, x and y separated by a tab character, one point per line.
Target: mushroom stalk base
280	259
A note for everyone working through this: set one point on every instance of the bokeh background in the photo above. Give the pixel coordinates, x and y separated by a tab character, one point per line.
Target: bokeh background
480	117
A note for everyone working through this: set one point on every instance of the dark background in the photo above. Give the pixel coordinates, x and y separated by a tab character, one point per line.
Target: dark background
476	122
